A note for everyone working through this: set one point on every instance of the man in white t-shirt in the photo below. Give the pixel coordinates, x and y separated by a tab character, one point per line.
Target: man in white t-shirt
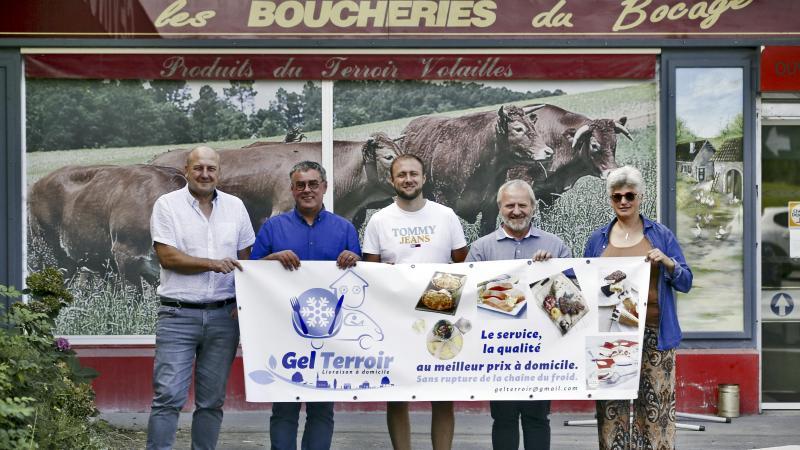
415	230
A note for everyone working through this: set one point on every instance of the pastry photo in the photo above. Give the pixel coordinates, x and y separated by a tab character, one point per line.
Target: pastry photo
442	293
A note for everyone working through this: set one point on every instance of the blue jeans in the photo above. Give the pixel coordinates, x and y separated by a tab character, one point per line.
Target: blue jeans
207	338
317	435
535	424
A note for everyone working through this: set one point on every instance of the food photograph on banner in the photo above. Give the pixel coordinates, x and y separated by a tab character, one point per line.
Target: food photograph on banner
709	194
105	140
502	297
417	332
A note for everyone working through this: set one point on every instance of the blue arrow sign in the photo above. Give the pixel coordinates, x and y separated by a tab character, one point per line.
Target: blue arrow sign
782	304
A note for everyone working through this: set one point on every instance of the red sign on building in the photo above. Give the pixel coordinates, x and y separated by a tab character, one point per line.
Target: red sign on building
401	19
780	69
340	66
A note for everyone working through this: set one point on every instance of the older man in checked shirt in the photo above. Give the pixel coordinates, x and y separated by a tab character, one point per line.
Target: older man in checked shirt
518	239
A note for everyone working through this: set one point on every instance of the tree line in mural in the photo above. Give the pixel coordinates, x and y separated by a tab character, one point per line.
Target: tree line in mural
734	129
69	114
361	102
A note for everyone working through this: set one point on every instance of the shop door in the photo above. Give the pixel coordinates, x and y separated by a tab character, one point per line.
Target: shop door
780	257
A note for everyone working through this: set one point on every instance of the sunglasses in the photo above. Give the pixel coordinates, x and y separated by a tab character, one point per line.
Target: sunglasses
629	196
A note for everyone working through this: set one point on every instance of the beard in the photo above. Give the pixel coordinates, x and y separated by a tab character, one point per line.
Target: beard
520	224
414	194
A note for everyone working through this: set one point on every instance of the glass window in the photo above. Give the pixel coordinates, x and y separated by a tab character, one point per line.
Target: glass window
780	271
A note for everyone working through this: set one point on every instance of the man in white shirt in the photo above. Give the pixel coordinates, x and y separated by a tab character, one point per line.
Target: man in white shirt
198	234
415	230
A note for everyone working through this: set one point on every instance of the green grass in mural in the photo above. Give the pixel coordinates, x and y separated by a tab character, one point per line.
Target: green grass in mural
104	305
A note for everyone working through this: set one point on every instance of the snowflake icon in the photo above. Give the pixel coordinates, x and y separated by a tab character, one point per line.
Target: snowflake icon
314	313
317	312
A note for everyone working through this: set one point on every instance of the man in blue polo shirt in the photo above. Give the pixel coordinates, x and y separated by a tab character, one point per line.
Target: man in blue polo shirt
310	233
518	239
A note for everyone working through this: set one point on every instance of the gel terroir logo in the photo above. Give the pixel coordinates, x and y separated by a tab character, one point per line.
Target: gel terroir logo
337	313
316	313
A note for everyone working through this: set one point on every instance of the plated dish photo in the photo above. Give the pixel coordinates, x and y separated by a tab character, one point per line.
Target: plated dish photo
612	363
446	339
561	299
502	294
442	293
618	303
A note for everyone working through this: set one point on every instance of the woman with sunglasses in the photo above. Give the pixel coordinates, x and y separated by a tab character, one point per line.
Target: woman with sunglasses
632	234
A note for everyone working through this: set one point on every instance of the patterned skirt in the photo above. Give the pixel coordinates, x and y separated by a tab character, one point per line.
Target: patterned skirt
653	409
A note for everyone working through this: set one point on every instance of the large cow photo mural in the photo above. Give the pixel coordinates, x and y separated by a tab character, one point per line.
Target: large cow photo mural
99	153
563	137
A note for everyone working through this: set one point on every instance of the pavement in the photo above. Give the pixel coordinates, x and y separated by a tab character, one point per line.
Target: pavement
774	430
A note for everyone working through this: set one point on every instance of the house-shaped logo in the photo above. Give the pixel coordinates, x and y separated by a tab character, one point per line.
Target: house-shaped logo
352	286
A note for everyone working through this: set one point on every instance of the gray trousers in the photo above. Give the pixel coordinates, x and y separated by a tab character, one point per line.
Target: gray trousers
208	339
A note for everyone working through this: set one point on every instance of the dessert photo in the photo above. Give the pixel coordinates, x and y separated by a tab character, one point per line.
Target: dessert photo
442	293
618	304
561	299
502	297
611	362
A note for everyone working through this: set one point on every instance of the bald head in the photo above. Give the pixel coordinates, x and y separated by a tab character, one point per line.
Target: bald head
201	152
202	171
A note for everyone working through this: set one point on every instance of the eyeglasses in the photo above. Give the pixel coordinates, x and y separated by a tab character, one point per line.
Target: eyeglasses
629	196
312	185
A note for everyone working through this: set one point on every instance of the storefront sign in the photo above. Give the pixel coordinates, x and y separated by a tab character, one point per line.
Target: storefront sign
780	69
563	329
399	19
341	67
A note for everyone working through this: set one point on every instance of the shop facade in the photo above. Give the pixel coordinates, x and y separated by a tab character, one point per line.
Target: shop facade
679	90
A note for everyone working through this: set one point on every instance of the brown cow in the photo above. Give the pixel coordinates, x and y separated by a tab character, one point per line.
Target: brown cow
93	216
260	175
582	146
467	157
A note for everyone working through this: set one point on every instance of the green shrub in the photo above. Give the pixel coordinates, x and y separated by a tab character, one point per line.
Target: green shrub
46	400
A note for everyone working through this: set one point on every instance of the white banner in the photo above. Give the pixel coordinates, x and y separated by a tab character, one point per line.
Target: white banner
499	330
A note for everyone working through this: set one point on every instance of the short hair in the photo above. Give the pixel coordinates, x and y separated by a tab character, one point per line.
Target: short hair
625	176
303	166
517	183
405	156
200	149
